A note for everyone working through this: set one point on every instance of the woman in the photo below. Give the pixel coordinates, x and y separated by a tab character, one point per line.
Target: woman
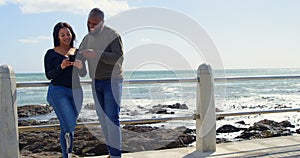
65	94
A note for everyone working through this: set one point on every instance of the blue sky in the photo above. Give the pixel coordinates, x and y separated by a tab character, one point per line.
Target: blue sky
246	33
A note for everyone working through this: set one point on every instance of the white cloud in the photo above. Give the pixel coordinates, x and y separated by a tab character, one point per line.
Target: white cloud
34	40
110	7
2	2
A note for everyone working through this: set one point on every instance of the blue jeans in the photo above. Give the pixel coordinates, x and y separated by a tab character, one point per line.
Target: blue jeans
67	104
107	96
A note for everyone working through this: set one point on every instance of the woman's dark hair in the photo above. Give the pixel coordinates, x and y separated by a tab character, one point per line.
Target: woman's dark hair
56	29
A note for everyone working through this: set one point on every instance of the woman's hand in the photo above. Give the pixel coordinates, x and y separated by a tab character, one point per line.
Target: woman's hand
65	63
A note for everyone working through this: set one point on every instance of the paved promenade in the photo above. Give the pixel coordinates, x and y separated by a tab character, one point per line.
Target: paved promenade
284	147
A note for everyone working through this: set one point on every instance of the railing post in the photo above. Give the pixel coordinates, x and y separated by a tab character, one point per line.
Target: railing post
9	137
205	115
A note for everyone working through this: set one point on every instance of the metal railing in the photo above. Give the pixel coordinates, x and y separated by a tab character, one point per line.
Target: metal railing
158	120
96	123
145	81
185	80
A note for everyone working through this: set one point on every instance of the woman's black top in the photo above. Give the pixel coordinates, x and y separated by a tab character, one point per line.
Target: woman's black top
68	77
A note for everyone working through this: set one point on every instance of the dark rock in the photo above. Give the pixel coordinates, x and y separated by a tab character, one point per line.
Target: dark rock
286	124
298	131
279	106
222	140
247	135
90	106
33	110
190	131
177	106
135	128
227	129
266	129
155	138
220	117
160	111
241	122
173	106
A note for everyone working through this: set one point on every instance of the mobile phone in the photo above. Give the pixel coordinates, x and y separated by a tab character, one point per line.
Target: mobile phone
71	54
72	58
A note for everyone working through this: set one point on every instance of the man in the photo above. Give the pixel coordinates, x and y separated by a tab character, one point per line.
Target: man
103	49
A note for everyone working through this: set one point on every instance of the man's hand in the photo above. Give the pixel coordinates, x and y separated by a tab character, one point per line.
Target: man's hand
89	53
78	64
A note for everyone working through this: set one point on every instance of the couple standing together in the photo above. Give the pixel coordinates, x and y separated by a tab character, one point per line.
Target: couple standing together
102	48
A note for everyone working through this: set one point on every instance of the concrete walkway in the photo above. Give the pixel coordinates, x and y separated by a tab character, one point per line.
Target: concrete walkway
287	146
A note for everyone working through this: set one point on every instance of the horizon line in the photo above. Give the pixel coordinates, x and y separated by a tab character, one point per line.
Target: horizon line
183	69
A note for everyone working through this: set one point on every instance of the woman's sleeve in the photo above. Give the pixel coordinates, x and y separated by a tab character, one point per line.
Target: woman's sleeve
52	70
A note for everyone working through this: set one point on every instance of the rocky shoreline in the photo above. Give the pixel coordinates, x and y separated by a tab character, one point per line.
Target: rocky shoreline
88	140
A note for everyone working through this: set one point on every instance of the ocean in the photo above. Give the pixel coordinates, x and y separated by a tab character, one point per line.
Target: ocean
239	95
